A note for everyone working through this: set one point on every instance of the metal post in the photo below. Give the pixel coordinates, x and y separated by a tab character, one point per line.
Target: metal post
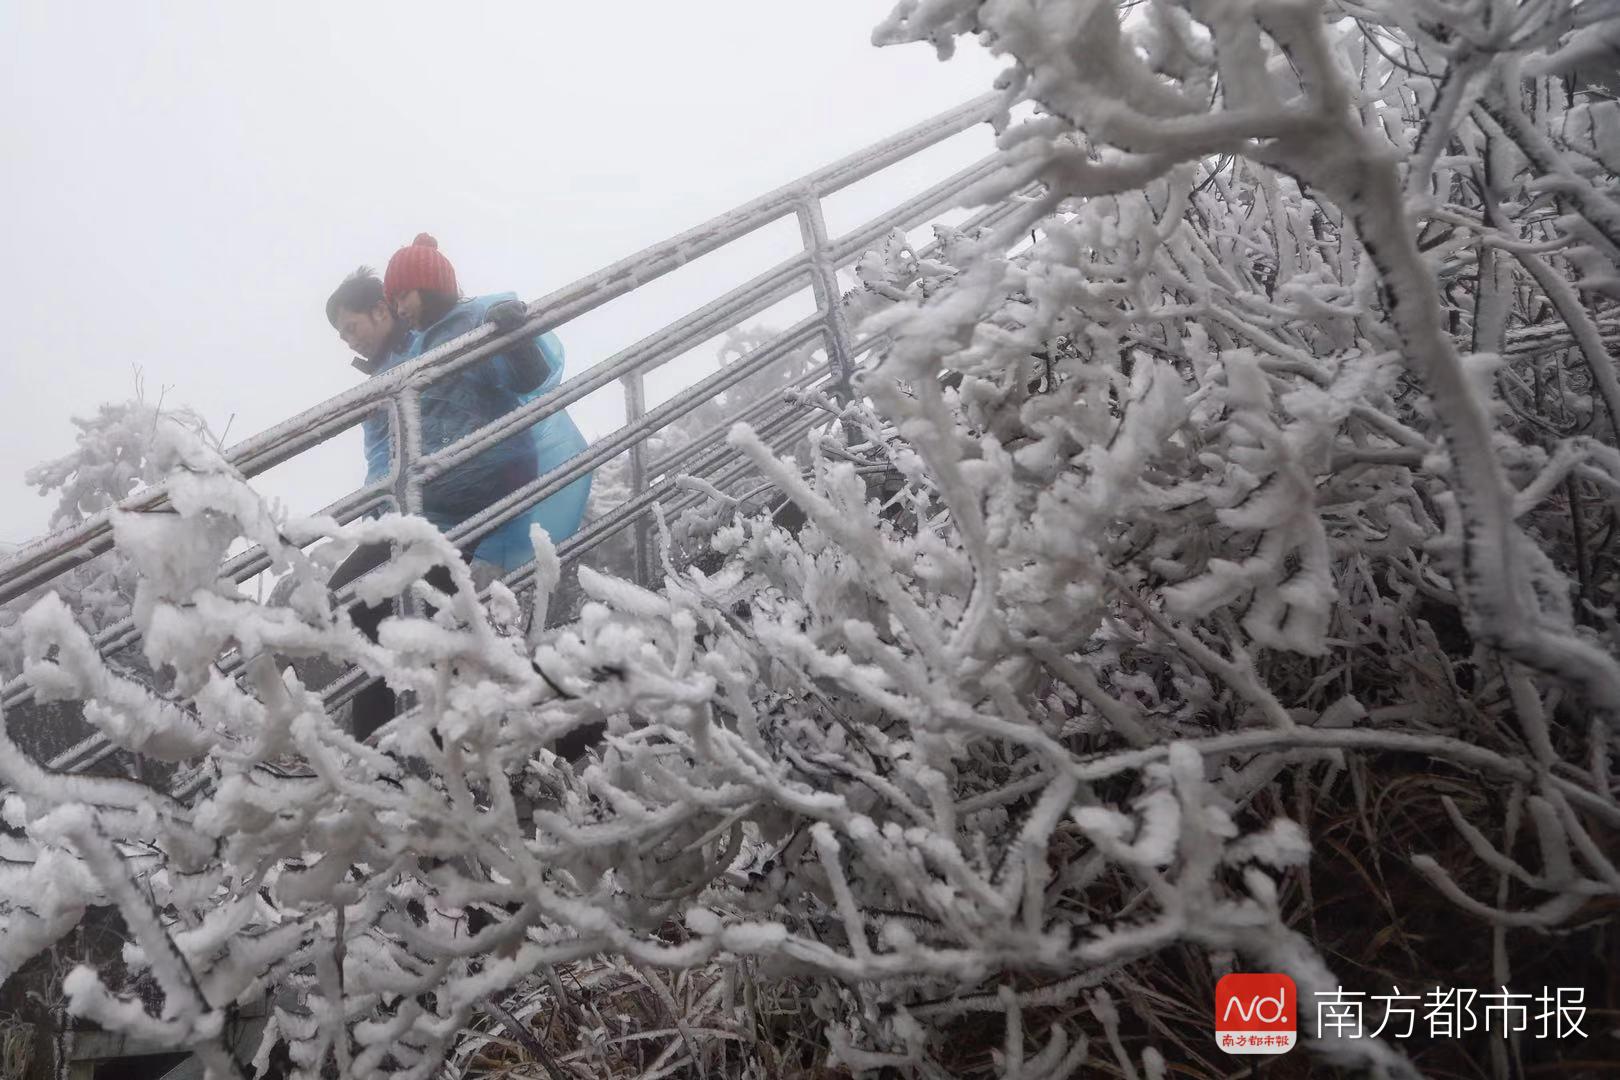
635	407
406	422
408	448
824	282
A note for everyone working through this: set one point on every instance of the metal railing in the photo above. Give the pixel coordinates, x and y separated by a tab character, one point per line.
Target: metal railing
398	391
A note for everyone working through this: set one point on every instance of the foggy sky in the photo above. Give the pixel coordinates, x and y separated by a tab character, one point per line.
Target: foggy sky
185	183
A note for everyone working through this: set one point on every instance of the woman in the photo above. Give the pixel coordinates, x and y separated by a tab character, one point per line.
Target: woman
421	285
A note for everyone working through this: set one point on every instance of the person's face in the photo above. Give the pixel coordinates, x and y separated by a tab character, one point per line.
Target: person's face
409	305
367	332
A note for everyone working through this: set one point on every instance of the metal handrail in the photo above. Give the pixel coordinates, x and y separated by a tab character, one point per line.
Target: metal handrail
47	558
398	390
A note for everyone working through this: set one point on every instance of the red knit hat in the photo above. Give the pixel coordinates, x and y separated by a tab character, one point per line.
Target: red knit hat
420	266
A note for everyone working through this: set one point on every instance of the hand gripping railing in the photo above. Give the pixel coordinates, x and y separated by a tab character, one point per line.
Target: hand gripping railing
398	391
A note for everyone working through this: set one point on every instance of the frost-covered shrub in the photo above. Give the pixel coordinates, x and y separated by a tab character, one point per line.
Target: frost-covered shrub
109	463
1281	460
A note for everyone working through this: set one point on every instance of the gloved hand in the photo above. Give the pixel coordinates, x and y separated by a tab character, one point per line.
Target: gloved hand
507	315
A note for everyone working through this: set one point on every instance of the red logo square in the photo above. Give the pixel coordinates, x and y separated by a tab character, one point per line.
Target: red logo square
1255	1013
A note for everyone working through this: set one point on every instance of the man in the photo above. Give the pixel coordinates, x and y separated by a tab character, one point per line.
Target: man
365	320
361	314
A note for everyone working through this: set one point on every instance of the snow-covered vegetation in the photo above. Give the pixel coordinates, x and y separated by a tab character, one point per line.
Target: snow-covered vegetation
1244	599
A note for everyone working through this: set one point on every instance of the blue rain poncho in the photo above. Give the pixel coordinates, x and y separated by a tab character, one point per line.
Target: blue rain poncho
469	399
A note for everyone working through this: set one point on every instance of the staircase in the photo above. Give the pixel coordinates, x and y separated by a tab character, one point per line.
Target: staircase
653	480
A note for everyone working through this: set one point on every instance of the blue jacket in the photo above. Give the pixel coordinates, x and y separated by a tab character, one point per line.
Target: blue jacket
465	401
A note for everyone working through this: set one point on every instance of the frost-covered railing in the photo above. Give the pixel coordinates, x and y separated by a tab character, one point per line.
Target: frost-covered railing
398	391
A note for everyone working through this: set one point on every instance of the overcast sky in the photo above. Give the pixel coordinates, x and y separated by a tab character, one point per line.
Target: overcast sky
185	183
